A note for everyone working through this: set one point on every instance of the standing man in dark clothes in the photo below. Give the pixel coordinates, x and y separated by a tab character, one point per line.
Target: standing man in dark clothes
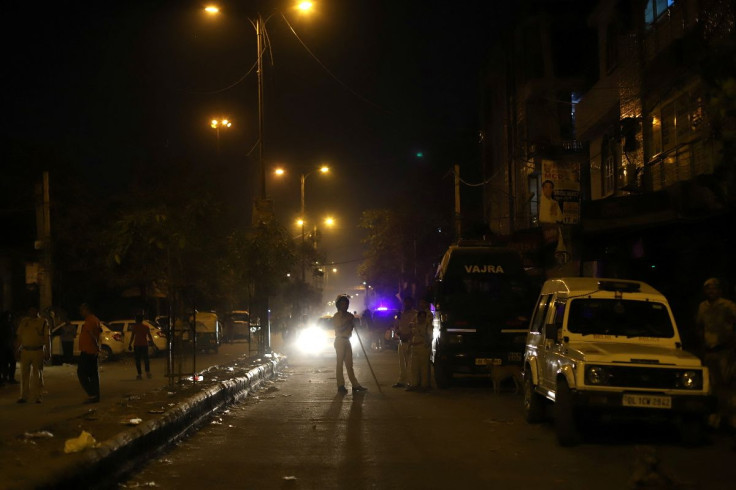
139	341
89	347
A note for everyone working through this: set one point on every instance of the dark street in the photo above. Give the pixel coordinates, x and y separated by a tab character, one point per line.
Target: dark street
298	433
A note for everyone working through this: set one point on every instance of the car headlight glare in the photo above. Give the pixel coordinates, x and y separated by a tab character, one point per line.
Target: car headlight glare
312	340
596	375
691	379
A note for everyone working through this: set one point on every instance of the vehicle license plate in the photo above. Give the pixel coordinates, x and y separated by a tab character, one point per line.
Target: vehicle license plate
484	361
647	401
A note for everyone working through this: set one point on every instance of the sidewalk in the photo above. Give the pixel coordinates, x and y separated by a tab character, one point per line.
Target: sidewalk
32	435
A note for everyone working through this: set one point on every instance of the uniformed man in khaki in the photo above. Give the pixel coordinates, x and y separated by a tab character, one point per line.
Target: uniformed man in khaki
715	322
402	326
343	323
35	346
421	338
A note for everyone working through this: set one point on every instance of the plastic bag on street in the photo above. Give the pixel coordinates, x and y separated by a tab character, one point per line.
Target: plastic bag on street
41	434
77	444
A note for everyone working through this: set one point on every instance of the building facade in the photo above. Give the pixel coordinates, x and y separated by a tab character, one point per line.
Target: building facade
651	145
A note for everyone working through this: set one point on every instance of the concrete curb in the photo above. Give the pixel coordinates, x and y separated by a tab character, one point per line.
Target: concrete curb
103	465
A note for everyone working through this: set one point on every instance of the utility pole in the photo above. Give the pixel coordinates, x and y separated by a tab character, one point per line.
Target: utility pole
458	216
43	232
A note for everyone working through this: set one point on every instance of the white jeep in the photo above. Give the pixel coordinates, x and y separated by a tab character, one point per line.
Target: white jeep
610	346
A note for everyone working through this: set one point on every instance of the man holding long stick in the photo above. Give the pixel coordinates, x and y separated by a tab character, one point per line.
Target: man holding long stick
343	323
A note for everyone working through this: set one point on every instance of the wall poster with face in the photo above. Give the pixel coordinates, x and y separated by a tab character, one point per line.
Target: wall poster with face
559	200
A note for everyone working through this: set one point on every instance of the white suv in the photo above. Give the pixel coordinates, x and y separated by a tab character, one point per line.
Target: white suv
610	346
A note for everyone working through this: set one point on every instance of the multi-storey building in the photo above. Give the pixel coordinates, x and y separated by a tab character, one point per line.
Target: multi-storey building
533	156
658	207
652	143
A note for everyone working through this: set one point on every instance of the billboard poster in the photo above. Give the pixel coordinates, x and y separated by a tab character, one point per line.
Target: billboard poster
559	200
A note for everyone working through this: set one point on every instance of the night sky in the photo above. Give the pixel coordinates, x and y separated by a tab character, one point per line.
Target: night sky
109	89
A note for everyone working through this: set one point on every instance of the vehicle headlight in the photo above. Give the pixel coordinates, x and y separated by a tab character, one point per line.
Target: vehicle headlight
691	379
596	375
312	340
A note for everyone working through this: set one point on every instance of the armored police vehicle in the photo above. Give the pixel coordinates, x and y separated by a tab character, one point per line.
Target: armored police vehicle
482	298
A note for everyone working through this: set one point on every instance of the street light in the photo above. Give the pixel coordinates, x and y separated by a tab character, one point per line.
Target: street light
302	217
305	6
329	223
216	124
262	208
259	24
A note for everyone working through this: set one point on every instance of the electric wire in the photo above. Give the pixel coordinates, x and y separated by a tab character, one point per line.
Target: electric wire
329	72
226	88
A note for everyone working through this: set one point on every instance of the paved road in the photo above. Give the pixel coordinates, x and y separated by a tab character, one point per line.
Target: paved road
298	433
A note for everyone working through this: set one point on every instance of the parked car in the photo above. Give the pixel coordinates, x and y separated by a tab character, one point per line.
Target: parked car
610	347
111	343
126	328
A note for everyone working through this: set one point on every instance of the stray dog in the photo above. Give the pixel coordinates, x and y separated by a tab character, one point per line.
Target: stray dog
500	373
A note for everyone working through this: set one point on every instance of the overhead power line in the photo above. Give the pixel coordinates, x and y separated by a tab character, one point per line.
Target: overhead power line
329	72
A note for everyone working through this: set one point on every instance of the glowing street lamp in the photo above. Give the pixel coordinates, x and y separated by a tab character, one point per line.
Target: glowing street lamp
216	124
305	6
323	169
259	24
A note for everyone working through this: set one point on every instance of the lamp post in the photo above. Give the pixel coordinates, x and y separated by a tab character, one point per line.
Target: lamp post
262	207
302	221
303	181
216	124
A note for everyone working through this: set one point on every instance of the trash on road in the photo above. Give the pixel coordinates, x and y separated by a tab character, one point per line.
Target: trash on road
131	421
149	484
41	434
290	478
76	444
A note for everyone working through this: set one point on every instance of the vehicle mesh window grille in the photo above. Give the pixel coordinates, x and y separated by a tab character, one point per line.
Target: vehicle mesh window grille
642	377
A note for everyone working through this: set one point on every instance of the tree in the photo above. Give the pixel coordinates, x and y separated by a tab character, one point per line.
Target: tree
402	249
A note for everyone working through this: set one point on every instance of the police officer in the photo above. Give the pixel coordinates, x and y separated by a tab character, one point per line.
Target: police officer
715	323
402	326
34	345
421	335
343	323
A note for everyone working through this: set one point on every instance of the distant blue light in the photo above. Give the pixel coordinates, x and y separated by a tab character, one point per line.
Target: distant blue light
420	154
381	308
